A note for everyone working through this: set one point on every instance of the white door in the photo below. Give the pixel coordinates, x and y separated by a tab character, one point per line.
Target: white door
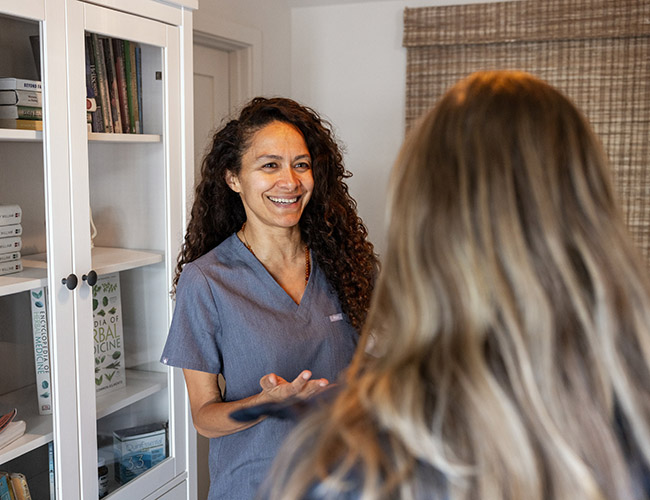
211	98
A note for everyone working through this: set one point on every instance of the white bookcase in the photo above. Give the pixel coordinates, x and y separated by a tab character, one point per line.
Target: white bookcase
134	185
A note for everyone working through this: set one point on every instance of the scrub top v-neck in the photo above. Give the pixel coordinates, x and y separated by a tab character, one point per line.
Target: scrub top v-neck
232	317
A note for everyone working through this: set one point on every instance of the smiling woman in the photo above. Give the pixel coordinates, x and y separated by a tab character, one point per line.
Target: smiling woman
272	284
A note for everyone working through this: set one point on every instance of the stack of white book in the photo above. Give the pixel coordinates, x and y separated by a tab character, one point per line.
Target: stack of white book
11	240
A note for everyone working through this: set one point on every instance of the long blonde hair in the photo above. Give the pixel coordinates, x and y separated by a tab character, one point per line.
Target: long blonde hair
512	317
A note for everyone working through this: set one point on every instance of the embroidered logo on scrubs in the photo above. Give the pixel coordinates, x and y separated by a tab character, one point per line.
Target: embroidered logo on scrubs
165	360
336	317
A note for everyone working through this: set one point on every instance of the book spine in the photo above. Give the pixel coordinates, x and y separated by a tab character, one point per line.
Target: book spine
21	489
11	230
19	123
102	83
134	85
138	72
21	98
50	455
38	298
118	51
129	72
15	266
23	112
9	256
20	84
91	85
10	214
6	489
11	244
112	85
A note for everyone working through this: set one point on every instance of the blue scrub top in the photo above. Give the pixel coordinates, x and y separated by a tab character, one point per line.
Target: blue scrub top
232	317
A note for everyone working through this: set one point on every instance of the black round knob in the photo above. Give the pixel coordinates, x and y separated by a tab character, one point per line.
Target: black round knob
70	282
90	278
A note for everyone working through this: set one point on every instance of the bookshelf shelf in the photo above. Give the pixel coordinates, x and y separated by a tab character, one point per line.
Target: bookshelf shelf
105	261
123	138
28	278
39	427
139	385
12	135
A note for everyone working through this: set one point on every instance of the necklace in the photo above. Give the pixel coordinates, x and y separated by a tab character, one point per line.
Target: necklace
307	257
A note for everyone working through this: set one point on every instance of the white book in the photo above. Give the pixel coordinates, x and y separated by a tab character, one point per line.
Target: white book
10	214
12	432
15	266
11	230
10	83
9	256
21	112
107	331
11	244
38	298
21	98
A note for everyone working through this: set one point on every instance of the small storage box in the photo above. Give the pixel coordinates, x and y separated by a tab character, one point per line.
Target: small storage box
137	449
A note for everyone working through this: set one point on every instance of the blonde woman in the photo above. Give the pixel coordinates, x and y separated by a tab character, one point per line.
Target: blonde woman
511	320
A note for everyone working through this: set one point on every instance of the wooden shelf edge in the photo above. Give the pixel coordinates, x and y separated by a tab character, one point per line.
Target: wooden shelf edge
123	138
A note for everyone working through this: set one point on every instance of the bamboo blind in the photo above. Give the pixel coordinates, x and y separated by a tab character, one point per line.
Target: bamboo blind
596	51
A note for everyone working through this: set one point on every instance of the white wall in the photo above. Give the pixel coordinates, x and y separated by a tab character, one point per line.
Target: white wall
347	62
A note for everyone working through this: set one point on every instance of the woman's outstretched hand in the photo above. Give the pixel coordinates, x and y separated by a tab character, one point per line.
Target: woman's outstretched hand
275	388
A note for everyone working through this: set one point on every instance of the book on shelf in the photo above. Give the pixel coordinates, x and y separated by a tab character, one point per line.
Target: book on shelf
120	72
21	488
38	298
111	78
11	244
132	84
102	83
11	230
50	456
108	336
92	89
10	214
91	105
138	73
14	266
11	432
11	83
9	256
21	124
6	489
23	112
7	418
21	98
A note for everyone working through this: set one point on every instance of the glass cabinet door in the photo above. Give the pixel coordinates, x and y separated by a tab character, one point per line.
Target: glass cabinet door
126	166
36	308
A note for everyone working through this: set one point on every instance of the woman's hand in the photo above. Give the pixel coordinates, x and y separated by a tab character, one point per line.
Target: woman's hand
275	388
211	415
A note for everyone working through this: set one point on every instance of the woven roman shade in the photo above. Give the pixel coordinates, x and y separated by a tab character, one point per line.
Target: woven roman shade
596	51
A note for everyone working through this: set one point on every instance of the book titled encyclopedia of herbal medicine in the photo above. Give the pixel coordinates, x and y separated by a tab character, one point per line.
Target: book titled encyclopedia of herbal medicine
109	339
41	350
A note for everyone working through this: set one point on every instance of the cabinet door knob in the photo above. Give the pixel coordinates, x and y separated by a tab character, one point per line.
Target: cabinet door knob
90	278
70	282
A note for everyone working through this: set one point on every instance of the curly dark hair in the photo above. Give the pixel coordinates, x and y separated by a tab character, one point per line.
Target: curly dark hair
329	225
